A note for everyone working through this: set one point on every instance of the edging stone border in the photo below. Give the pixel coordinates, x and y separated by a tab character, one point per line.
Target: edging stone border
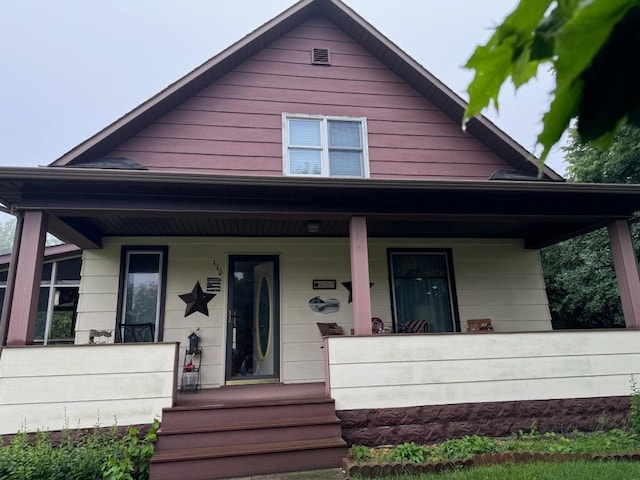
374	469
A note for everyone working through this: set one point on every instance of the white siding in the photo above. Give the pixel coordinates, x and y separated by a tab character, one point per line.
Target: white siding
386	371
495	278
80	386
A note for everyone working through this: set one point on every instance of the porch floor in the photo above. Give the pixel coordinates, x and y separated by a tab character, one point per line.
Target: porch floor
250	393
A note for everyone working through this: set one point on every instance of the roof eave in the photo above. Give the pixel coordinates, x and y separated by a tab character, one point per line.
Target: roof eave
18	175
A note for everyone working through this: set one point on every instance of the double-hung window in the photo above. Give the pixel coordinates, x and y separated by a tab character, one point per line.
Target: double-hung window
325	146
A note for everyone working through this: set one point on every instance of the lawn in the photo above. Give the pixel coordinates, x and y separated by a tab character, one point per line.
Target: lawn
617	470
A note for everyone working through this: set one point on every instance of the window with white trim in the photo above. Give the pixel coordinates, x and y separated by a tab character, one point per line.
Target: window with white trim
57	301
325	146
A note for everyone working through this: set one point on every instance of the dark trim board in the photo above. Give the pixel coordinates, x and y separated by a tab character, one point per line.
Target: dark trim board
435	423
163	287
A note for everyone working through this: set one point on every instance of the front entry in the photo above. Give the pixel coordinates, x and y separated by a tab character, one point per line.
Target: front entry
253	321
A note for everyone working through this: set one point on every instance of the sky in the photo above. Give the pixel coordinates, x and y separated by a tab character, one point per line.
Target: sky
72	67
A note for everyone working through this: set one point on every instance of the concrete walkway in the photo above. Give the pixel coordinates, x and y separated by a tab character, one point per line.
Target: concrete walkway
332	474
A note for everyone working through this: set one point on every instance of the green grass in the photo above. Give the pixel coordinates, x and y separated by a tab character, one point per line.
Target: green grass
617	470
613	441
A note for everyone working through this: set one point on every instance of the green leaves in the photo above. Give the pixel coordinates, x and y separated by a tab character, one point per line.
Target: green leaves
585	42
507	53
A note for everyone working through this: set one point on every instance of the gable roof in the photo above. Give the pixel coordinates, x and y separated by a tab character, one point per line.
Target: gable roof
351	23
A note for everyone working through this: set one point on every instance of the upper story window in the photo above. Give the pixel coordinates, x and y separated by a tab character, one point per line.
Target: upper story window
325	146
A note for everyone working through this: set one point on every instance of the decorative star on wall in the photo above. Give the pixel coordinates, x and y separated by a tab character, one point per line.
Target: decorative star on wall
349	287
196	300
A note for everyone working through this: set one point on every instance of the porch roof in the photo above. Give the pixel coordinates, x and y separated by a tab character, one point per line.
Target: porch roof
86	205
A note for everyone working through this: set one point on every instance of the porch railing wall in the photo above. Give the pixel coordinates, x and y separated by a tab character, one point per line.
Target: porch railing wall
387	371
80	386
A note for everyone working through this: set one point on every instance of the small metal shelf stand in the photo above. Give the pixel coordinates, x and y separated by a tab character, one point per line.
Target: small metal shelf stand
190	381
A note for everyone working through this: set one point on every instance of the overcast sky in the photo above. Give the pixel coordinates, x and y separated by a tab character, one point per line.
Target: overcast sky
71	67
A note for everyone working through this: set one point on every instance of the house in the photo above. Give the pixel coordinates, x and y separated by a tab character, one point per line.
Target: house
310	173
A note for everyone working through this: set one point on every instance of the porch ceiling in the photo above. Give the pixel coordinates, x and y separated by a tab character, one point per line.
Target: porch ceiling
85	206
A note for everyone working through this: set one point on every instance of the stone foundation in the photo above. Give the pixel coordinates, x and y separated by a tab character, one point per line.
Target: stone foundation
435	423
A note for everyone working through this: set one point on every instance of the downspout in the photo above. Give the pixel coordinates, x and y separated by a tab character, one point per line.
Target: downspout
11	280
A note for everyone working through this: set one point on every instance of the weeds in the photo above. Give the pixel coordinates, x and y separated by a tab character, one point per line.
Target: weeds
409	452
96	455
359	453
634	409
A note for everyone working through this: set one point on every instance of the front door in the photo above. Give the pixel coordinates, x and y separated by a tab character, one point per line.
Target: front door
253	322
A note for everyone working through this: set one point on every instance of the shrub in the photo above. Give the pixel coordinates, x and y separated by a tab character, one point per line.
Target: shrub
409	452
96	455
359	453
467	446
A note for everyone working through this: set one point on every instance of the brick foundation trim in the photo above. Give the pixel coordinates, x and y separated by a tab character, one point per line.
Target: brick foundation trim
434	423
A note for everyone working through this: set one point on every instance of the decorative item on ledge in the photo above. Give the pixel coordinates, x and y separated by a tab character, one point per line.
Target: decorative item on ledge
191	365
479	325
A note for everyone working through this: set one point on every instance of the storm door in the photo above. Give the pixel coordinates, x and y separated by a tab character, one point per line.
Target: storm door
253	320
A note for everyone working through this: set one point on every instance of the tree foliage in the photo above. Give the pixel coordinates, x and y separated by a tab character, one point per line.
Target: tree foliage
581	282
588	45
620	163
7	234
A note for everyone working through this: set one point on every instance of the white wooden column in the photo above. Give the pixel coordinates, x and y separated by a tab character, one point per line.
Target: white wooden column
26	289
360	290
626	266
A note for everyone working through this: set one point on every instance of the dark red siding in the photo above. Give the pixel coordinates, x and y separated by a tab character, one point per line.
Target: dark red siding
234	127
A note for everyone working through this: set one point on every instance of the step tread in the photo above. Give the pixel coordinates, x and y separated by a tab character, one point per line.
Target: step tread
255	425
250	449
229	404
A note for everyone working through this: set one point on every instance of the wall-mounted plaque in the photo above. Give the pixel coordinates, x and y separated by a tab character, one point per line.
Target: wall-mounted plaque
324	284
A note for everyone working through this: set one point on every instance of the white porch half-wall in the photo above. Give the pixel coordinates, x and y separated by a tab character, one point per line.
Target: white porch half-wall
495	278
392	371
83	386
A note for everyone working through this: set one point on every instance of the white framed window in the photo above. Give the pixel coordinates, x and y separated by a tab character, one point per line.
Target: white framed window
57	301
321	146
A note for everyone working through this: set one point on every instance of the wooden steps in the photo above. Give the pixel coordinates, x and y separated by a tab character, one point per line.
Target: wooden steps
241	438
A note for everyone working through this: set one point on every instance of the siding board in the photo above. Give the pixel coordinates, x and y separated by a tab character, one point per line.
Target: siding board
233	127
378	372
513	298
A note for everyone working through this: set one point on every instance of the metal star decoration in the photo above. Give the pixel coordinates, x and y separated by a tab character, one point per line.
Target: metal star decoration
349	287
196	300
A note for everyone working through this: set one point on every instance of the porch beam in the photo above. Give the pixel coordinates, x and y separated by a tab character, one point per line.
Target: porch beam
626	267
86	238
360	289
26	287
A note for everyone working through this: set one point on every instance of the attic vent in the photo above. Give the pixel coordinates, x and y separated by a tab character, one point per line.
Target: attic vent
320	56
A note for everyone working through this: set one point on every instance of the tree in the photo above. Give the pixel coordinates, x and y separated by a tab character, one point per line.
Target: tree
7	234
581	282
589	46
618	164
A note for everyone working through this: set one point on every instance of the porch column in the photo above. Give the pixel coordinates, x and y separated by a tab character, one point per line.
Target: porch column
361	293
626	266
26	287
